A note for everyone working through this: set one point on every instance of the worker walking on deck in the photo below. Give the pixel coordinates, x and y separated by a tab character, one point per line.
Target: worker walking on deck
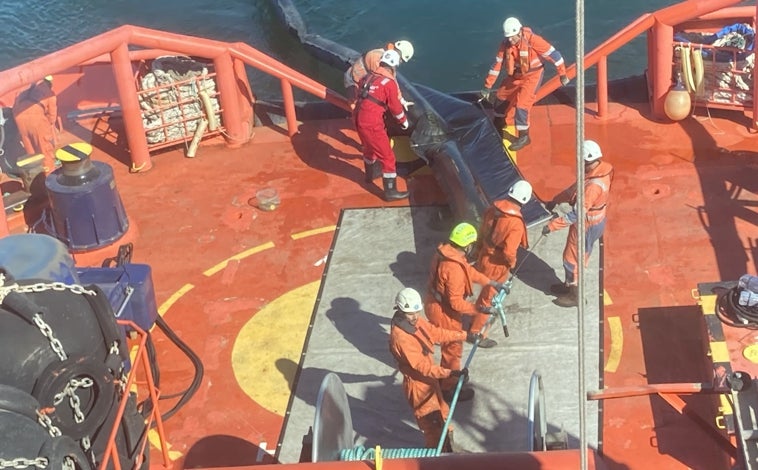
502	231
35	112
369	63
450	286
412	340
378	92
597	186
523	53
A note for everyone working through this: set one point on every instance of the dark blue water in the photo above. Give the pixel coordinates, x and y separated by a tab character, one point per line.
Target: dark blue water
455	40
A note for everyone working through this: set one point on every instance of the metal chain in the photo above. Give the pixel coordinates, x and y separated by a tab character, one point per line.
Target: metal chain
68	463
39	462
47	332
47	423
73	399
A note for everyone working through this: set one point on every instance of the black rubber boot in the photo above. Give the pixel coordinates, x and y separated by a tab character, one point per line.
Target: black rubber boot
390	190
559	289
373	170
522	141
568	299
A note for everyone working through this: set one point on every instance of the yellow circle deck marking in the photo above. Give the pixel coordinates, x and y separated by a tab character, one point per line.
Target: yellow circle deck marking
250	251
315	231
751	353
271	340
617	344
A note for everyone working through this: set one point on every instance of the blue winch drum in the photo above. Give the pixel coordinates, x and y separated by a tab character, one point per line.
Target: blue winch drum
37	256
87	211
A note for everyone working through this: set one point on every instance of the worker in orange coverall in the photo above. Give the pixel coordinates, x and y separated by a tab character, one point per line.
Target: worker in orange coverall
378	92
502	232
369	63
451	283
523	53
597	185
35	112
412	340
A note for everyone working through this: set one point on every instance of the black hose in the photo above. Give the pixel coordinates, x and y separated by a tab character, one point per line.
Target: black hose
198	365
732	313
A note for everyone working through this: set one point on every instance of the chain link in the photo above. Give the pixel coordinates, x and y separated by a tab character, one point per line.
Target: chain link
47	332
73	398
39	462
42	287
47	423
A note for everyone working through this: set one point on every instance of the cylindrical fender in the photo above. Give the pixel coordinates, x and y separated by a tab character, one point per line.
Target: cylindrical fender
689	82
209	113
698	70
18	401
192	149
59	448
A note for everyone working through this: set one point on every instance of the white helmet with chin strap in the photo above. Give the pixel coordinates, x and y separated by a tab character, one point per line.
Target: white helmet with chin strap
391	58
511	27
405	48
521	191
591	151
408	300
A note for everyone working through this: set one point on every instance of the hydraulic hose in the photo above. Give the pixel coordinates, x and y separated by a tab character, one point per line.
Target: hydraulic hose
732	313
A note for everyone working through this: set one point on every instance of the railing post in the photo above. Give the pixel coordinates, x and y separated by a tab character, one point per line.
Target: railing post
289	107
663	40
602	87
228	96
130	109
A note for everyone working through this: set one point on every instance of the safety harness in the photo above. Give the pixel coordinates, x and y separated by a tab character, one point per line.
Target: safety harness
435	280
363	94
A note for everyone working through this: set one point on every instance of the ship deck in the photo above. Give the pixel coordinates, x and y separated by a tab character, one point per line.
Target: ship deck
240	285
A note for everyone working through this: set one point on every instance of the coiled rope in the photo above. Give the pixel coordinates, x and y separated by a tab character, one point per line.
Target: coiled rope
362	453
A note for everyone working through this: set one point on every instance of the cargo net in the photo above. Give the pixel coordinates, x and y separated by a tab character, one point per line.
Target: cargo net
175	96
728	61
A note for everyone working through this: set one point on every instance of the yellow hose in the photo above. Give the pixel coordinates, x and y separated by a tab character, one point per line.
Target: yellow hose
699	71
209	113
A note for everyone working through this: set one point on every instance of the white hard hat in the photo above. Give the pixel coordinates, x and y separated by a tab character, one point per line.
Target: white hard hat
511	27
405	48
391	58
408	300
521	191
591	151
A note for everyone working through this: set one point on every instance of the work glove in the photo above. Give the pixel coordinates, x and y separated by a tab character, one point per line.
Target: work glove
487	310
564	80
404	126
406	104
473	337
484	94
457	373
545	230
500	286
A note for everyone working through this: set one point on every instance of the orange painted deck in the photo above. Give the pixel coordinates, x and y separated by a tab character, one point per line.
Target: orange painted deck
675	219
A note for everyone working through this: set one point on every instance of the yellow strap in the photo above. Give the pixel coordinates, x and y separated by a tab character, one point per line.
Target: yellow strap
29	160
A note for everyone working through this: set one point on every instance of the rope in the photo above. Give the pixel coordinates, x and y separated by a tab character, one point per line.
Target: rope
362	453
580	226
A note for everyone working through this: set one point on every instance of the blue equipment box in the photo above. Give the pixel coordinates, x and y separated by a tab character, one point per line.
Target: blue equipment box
139	305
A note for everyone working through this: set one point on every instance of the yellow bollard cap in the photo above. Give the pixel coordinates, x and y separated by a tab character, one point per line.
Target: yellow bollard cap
75	152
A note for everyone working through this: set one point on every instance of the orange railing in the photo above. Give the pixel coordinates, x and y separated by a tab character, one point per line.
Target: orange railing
660	26
140	365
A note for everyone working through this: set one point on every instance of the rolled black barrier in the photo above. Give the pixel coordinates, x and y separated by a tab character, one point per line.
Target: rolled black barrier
455	137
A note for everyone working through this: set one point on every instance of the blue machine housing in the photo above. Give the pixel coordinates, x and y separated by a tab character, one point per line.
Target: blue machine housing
86	208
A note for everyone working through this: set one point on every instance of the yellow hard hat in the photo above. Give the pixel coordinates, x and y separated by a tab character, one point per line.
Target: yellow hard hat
49	78
463	234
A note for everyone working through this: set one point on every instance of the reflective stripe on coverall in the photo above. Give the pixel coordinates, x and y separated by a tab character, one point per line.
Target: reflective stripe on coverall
413	348
382	94
597	186
502	232
451	283
35	112
525	70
